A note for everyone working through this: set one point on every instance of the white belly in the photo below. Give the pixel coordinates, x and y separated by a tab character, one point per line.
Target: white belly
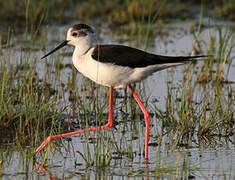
104	74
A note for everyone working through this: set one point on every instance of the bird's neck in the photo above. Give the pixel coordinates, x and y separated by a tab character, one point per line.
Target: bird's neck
83	49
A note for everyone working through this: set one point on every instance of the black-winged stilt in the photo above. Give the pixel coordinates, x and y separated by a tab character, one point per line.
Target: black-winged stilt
115	66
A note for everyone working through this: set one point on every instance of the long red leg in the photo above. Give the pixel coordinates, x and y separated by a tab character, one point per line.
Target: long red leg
146	117
106	126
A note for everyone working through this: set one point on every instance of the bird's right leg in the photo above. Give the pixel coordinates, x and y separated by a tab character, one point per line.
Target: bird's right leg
146	117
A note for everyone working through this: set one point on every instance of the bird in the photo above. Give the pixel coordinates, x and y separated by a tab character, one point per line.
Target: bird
113	66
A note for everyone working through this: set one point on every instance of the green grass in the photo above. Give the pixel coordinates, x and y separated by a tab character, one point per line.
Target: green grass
28	104
221	44
194	112
200	110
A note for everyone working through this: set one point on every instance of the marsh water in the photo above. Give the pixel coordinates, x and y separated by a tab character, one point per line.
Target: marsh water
118	152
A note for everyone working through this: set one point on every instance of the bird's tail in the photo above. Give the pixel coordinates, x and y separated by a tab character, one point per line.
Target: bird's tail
178	59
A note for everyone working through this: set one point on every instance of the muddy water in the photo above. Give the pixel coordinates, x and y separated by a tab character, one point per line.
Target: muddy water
78	156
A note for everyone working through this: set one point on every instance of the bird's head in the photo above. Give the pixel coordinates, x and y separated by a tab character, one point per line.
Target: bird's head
80	35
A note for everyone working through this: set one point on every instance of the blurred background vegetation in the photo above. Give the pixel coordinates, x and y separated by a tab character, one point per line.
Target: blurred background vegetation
33	13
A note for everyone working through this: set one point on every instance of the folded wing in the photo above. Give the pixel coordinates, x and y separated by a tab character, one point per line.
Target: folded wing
134	58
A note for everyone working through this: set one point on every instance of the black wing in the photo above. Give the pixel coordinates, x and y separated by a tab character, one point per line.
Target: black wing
131	57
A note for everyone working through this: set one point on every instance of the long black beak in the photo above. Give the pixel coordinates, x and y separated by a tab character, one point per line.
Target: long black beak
64	43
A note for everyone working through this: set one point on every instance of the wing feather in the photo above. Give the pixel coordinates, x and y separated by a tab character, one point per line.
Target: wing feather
127	56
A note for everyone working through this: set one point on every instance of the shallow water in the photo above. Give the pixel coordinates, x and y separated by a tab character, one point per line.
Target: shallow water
80	157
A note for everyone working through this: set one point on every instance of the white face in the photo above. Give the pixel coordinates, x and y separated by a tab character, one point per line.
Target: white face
80	37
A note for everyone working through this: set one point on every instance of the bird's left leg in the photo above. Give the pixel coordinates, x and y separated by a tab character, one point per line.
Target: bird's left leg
146	117
108	125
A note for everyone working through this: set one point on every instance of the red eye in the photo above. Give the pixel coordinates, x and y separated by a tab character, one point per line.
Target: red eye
74	34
